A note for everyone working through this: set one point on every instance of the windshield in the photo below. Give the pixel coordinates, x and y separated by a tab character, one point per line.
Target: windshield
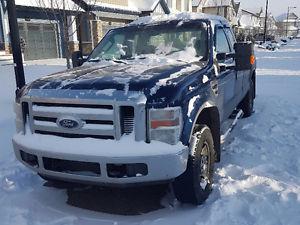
179	41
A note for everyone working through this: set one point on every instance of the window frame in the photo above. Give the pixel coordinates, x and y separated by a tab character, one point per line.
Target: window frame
228	38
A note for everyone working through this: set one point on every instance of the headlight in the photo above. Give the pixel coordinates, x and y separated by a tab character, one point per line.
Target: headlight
165	125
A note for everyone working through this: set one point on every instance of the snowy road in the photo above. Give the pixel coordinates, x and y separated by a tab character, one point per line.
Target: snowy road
257	182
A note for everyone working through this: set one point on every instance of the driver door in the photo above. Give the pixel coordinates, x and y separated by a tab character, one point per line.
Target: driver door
226	76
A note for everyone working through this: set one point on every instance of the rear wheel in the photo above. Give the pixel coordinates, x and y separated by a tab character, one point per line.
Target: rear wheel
195	184
248	102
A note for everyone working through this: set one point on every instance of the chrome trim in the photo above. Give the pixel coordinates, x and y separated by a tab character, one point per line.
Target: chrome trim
135	99
65	119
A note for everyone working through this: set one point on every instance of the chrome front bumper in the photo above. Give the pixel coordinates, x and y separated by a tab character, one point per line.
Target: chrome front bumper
164	162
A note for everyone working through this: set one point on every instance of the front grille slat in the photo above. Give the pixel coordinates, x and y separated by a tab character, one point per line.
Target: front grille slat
56	129
84	116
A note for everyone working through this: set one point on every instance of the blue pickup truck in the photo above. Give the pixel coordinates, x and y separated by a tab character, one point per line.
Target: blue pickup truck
145	107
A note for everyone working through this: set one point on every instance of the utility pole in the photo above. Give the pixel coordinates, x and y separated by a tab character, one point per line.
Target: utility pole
266	21
15	44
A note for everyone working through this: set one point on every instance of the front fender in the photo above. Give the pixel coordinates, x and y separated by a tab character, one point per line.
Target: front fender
191	111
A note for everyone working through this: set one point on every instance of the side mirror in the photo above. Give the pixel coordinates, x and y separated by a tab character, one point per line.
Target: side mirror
77	59
224	56
245	58
221	57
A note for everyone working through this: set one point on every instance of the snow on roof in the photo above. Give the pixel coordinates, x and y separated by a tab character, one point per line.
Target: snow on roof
248	21
246	11
179	16
195	2
292	17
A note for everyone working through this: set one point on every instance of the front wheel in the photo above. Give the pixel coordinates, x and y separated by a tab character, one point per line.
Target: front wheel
195	184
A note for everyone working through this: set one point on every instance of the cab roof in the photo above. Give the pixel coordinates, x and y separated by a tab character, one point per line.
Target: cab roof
158	19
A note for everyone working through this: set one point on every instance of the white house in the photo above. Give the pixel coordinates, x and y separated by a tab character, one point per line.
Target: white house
180	5
289	25
225	8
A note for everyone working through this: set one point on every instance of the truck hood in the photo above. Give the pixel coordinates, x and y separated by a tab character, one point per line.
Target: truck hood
109	76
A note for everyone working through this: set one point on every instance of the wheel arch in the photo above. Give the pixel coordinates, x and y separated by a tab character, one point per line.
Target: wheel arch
210	116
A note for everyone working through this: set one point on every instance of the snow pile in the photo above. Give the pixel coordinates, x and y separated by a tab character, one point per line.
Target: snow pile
257	181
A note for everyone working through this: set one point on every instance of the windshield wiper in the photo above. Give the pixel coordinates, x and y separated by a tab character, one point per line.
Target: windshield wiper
133	58
118	61
114	60
94	60
180	60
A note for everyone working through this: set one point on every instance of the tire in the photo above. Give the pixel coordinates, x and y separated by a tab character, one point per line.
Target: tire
195	184
247	103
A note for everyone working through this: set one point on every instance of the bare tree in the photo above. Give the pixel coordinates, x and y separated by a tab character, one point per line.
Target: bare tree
66	12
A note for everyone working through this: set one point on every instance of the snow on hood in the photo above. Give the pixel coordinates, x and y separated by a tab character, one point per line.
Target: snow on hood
147	75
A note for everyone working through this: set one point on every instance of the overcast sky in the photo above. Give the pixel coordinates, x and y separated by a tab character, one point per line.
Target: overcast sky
277	7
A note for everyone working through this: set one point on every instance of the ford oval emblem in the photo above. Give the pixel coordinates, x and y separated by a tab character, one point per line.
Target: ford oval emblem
69	123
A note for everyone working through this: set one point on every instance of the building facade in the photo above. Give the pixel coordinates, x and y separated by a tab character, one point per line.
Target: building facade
41	28
249	24
288	25
41	23
272	29
180	5
225	8
108	14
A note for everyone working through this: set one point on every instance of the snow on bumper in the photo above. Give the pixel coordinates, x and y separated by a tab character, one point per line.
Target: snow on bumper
163	161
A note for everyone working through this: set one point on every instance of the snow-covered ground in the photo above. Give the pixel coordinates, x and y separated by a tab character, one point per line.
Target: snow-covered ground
257	182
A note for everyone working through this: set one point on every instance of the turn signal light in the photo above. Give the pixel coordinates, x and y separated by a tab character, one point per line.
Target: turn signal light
252	59
164	123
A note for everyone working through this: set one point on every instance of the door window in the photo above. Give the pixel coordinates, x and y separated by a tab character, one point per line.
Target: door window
221	42
231	37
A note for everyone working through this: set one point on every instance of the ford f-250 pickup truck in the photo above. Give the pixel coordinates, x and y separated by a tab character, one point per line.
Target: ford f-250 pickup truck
146	106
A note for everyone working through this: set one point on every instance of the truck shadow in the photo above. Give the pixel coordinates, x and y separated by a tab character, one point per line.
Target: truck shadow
120	201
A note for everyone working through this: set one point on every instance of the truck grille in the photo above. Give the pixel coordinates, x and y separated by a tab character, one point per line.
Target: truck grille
97	121
127	119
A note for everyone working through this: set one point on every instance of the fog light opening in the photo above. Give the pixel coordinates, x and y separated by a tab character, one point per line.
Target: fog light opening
30	159
127	170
